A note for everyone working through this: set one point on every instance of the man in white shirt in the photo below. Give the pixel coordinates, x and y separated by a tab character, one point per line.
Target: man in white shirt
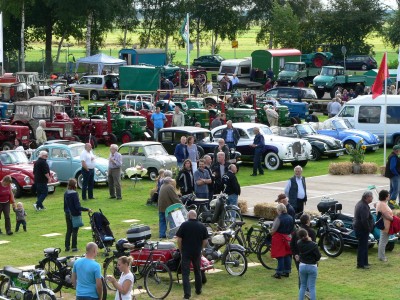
235	81
88	161
41	137
296	190
179	118
335	107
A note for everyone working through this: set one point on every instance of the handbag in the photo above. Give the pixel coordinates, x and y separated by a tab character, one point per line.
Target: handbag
380	224
76	221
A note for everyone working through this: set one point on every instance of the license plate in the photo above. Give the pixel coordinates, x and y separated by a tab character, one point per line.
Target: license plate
320	87
50	188
339	154
375	148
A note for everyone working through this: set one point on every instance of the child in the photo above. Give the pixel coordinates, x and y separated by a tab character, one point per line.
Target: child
209	87
20	214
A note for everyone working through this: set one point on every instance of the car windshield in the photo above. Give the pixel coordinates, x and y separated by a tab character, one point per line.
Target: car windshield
77	150
203	137
290	67
14	157
263	129
340	124
305	129
329	71
155	150
218	57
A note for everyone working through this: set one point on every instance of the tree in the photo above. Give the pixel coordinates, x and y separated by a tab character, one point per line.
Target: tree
391	32
126	18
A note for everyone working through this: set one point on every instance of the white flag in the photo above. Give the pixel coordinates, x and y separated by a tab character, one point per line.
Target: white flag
398	68
1	40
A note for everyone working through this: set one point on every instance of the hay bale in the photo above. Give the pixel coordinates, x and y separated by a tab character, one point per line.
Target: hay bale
342	168
265	210
382	170
243	206
369	168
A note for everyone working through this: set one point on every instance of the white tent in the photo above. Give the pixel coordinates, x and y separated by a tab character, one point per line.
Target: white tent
100	60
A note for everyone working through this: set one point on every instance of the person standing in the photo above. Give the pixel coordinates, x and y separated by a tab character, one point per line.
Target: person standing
383	211
124	285
193	152
290	210
185	178
230	135
202	179
216	122
20	215
207	166
335	107
192	237
158	119
309	256
280	243
232	185
363	224
41	172
88	161
222	147
181	153
72	207
392	171
114	172
296	190
219	169
41	137
178	117
86	275
167	197
6	198
258	145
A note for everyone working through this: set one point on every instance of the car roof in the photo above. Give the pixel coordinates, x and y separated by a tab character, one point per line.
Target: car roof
190	129
141	143
242	125
289	88
62	142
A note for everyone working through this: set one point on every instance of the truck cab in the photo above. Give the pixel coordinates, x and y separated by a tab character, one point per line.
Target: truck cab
240	67
296	73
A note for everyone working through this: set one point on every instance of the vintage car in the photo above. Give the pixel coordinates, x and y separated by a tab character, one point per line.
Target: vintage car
64	159
16	164
208	61
277	150
341	129
322	145
149	155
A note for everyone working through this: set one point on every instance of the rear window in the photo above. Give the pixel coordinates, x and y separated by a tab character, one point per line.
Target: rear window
369	114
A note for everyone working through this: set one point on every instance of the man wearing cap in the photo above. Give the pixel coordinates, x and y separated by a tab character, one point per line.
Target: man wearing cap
290	210
392	171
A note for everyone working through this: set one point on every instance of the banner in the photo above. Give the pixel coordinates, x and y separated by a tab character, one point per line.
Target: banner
185	30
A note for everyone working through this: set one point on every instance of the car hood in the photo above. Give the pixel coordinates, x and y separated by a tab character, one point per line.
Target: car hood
163	158
366	136
322	78
23	168
331	141
287	73
281	139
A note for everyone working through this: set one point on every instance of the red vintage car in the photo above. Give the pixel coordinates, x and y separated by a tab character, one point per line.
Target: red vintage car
16	164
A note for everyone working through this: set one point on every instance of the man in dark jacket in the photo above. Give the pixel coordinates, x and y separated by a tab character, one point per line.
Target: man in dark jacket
392	171
258	145
222	147
363	224
208	162
230	135
296	190
232	185
41	172
219	169
181	153
290	210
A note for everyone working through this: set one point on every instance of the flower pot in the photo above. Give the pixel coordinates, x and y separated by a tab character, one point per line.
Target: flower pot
356	168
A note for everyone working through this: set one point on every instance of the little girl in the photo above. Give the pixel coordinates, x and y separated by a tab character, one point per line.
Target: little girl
20	215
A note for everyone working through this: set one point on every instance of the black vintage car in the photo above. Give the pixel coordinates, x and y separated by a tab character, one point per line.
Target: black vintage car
322	145
171	136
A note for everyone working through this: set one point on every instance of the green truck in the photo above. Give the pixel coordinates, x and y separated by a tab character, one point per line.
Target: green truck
297	74
333	77
139	78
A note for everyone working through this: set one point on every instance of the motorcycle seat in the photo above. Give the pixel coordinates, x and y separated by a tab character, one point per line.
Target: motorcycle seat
11	271
240	223
62	259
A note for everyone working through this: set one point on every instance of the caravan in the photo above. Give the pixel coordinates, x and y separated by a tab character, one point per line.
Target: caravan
366	114
241	67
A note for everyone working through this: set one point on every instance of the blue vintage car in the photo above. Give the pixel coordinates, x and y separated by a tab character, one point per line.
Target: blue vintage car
341	129
64	159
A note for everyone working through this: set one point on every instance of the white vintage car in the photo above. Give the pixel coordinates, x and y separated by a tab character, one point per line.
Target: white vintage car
277	150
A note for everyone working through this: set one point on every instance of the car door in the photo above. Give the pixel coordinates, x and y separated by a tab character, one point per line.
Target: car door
60	161
166	138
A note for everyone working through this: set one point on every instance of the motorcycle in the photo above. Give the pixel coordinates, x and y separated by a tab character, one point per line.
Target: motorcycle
24	285
59	270
330	238
233	256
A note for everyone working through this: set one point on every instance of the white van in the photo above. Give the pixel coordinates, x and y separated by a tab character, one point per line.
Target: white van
369	115
241	67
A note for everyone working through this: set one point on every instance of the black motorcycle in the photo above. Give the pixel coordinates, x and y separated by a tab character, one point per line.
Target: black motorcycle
330	239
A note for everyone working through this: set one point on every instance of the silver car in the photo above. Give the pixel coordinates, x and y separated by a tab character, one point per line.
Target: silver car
149	155
97	86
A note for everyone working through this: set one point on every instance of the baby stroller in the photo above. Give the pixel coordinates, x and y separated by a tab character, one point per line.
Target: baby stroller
175	215
101	231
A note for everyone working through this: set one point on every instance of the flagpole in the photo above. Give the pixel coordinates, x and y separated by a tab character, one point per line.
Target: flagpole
1	44
385	111
188	51
398	72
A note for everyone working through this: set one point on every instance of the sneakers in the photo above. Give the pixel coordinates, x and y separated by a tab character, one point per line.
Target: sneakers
74	250
9	232
384	259
35	206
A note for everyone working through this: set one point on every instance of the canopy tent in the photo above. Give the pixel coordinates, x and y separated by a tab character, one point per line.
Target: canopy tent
100	60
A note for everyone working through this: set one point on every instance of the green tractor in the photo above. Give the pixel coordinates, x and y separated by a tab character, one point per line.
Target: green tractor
194	115
283	115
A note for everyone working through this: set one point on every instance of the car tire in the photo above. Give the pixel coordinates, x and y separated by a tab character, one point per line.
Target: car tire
272	161
315	153
94	95
350	144
112	139
153	174
320	94
200	151
17	188
364	67
79	179
7	146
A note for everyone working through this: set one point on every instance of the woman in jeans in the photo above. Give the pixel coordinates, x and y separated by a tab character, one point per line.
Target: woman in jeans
383	209
309	256
72	207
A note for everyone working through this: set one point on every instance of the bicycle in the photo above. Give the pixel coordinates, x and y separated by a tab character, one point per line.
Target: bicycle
157	276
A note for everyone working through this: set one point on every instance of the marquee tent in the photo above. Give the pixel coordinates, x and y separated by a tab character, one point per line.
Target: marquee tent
101	60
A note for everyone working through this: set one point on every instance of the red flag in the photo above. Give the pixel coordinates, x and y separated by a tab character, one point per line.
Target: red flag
383	74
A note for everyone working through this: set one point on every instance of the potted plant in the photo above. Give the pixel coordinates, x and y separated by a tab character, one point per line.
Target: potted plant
357	155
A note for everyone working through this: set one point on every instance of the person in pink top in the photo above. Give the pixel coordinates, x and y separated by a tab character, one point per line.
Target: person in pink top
6	198
383	209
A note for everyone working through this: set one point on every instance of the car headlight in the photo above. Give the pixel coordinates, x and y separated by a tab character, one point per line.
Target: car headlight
24	137
55	177
105	133
97	172
27	179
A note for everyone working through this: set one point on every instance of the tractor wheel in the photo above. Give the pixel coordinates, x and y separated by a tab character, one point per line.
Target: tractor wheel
7	146
93	141
112	139
127	137
76	138
301	83
320	94
293	121
319	60
94	95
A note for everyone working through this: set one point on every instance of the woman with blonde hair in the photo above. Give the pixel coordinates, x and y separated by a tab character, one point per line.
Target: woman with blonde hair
124	285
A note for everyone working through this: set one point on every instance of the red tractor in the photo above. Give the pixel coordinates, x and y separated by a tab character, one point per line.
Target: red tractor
8	134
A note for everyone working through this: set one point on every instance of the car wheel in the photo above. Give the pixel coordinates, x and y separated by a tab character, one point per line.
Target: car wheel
350	145
153	173
301	83
320	94
397	140
94	95
126	137
364	67
79	180
315	153
16	188
200	151
7	146
272	161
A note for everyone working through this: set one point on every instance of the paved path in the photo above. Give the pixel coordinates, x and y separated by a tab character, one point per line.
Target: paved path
347	189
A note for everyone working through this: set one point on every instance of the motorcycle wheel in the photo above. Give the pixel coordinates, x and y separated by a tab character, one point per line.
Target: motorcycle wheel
103	281
158	281
44	295
52	280
253	238
264	255
110	268
4	286
232	216
332	244
236	263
